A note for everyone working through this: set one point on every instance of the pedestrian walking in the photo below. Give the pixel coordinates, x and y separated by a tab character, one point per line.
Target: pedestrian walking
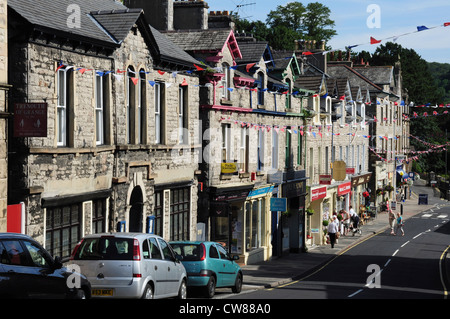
391	220
345	222
399	224
332	229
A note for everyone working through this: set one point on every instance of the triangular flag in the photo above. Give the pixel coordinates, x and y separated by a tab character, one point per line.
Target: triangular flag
249	66
59	67
198	68
421	28
446	24
135	80
307	53
151	82
161	72
184	83
82	70
374	41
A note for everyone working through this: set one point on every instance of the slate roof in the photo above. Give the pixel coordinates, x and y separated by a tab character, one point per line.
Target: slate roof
193	40
312	83
171	51
355	78
53	15
381	75
117	22
252	51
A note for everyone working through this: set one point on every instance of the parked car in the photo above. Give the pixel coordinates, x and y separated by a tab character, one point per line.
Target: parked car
208	265
130	265
28	271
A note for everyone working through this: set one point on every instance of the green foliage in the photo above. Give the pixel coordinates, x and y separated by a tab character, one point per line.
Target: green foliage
290	22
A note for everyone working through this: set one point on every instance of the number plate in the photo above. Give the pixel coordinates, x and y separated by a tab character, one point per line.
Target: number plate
102	292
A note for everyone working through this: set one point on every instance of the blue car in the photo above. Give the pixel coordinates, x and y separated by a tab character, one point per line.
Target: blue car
208	265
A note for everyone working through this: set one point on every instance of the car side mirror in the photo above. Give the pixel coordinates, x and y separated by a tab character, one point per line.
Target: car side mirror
57	263
234	257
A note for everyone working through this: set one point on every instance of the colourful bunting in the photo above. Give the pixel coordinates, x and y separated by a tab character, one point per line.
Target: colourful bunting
374	41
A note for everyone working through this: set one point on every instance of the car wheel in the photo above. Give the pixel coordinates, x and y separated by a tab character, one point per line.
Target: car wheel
148	292
80	294
182	293
238	284
211	287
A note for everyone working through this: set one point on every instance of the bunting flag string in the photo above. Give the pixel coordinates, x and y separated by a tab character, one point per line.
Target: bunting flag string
373	41
118	74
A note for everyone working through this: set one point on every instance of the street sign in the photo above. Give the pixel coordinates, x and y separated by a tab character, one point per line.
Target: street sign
278	204
30	120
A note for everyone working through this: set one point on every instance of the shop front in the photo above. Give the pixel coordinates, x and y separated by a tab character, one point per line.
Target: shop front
359	186
240	220
343	199
314	216
294	190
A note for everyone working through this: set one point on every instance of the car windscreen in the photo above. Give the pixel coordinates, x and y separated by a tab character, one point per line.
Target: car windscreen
190	252
105	248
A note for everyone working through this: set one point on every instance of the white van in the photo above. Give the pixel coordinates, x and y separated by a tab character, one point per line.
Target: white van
130	265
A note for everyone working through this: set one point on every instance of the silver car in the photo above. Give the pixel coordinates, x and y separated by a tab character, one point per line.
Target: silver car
130	265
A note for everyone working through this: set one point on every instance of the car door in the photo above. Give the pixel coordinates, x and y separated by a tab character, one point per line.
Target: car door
172	266
215	264
228	267
50	282
17	266
158	264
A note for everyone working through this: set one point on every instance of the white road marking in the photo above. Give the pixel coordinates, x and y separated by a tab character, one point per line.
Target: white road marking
426	215
442	216
404	244
355	293
395	253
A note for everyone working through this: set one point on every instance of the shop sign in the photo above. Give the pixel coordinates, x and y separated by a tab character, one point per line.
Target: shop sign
325	179
30	120
294	189
360	180
278	204
228	168
318	193
339	169
350	170
260	191
344	188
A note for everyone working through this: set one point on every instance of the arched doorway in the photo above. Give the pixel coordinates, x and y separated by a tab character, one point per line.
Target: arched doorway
136	210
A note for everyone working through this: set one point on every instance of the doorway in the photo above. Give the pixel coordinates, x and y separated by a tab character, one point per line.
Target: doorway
136	210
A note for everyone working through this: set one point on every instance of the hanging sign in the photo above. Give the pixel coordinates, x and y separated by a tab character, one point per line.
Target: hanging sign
30	120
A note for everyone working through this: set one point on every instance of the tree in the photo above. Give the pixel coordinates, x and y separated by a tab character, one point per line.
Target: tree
291	22
317	22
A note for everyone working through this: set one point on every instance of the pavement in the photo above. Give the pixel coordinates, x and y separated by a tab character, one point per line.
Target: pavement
295	266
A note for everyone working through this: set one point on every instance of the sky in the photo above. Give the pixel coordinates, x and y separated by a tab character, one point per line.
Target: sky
358	20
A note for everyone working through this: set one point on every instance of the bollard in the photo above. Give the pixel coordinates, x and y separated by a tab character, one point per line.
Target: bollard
401	209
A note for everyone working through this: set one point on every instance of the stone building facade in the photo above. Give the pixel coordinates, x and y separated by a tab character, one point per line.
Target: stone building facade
100	166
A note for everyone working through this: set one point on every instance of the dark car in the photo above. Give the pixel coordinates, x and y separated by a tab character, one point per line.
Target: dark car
28	271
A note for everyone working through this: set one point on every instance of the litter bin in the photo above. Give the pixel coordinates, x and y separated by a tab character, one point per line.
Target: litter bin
423	199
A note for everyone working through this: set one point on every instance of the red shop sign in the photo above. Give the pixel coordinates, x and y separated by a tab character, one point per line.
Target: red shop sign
318	193
344	188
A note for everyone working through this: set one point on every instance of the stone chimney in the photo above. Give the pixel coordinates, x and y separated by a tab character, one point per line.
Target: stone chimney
190	15
159	13
220	20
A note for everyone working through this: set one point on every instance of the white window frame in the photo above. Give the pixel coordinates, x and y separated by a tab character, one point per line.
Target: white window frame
158	112
243	149
99	111
226	143
274	149
61	116
260	155
225	81
182	137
